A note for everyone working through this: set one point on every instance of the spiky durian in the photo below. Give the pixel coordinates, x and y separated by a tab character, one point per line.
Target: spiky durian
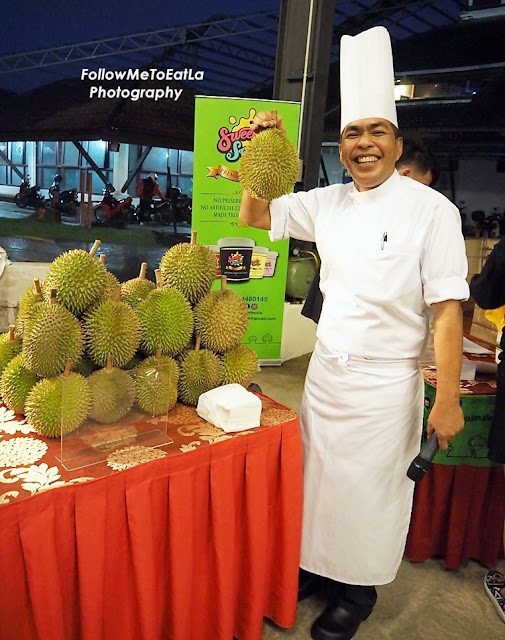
135	290
221	319
10	346
189	268
52	336
240	365
28	304
112	394
200	371
166	319
79	278
58	405
269	166
156	384
112	328
16	383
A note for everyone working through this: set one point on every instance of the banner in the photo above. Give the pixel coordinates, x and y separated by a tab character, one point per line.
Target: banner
254	266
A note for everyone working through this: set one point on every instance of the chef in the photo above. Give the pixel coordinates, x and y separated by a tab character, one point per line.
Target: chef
391	248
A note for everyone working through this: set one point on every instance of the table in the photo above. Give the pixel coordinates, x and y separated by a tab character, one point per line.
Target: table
459	507
198	544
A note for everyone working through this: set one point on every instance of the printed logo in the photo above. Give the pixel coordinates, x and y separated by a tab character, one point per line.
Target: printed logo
232	142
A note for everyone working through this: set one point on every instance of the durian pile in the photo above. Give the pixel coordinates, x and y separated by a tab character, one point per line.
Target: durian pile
86	346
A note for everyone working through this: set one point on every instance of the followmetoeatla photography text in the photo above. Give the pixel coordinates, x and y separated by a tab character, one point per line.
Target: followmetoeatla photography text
144	76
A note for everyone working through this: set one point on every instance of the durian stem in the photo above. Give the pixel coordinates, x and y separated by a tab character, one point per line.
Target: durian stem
197	345
143	271
68	368
102	258
94	248
12	327
53	296
157	355
117	293
223	283
36	284
157	273
108	367
193	237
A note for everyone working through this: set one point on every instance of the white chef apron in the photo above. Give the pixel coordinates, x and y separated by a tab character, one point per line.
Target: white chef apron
361	423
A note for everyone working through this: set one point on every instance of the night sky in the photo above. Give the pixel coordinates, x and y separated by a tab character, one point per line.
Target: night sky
51	23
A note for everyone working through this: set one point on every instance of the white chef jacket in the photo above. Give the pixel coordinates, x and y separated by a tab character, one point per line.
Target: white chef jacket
386	254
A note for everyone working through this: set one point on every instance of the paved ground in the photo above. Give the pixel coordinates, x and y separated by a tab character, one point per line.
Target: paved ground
122	259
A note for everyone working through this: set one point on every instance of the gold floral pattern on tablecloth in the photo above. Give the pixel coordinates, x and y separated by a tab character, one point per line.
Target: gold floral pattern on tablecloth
106	439
10	424
41	477
21	451
206	432
182	414
5	497
271	416
132	456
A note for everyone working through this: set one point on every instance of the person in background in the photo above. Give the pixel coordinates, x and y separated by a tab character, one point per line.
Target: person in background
488	290
416	162
391	248
147	188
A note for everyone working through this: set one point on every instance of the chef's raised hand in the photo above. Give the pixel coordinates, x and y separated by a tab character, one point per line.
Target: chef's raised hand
447	419
267	120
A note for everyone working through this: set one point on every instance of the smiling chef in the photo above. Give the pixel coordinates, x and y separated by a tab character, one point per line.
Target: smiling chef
391	249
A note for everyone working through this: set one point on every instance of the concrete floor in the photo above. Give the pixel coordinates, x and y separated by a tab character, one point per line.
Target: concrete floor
425	602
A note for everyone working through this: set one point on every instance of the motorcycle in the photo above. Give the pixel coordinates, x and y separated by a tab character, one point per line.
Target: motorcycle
64	201
156	211
112	211
28	196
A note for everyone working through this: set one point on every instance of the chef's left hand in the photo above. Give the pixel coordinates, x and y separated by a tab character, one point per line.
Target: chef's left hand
447	419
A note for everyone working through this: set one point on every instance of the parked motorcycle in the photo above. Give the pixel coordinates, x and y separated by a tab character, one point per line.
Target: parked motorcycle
114	212
159	212
28	196
65	201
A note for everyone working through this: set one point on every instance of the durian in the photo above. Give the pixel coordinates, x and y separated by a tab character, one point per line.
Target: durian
58	405
240	365
166	319
51	337
189	268
112	394
135	290
79	278
221	319
84	366
200	371
16	383
269	165
111	282
10	346
28	303
156	381
112	328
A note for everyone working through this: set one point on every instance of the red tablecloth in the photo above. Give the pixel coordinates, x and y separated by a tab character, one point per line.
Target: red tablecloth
196	545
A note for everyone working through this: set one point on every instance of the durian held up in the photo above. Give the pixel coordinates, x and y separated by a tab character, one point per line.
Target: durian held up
201	371
221	319
269	166
189	268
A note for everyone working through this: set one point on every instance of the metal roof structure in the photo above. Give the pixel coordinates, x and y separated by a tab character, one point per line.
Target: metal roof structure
431	41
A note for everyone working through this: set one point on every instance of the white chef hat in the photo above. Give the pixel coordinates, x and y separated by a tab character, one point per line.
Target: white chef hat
367	77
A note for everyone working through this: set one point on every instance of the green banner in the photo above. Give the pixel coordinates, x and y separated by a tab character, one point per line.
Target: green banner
470	446
255	267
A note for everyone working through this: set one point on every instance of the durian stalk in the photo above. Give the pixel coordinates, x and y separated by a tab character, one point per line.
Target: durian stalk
157	355
68	369
11	337
36	284
109	368
159	284
197	345
193	237
143	271
117	293
94	248
223	283
102	258
52	298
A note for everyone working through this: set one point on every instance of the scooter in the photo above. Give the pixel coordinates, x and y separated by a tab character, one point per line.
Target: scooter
28	196
112	211
65	201
157	211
